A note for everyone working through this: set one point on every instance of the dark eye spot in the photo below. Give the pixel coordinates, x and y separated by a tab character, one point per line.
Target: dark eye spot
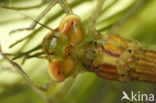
59	72
102	46
129	50
122	75
72	22
95	43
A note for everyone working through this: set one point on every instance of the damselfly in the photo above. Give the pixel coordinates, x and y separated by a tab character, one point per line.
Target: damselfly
72	49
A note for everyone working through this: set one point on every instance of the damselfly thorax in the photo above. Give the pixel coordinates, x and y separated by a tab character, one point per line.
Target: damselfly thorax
117	58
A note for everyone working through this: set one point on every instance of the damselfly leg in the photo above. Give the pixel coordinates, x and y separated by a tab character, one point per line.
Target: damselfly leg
24	8
91	26
43	13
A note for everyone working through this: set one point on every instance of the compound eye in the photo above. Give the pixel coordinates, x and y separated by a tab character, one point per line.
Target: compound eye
68	22
55	71
71	27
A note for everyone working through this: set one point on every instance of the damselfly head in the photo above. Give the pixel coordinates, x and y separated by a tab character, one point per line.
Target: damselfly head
61	63
59	47
71	27
55	45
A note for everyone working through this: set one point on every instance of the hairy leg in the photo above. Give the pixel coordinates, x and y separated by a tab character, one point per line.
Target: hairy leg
38	89
65	7
44	12
136	7
19	55
24	8
94	16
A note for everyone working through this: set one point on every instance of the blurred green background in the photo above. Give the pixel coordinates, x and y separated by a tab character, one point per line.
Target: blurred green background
116	17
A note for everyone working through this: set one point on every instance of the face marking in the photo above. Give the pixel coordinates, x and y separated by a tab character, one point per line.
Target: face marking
53	42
